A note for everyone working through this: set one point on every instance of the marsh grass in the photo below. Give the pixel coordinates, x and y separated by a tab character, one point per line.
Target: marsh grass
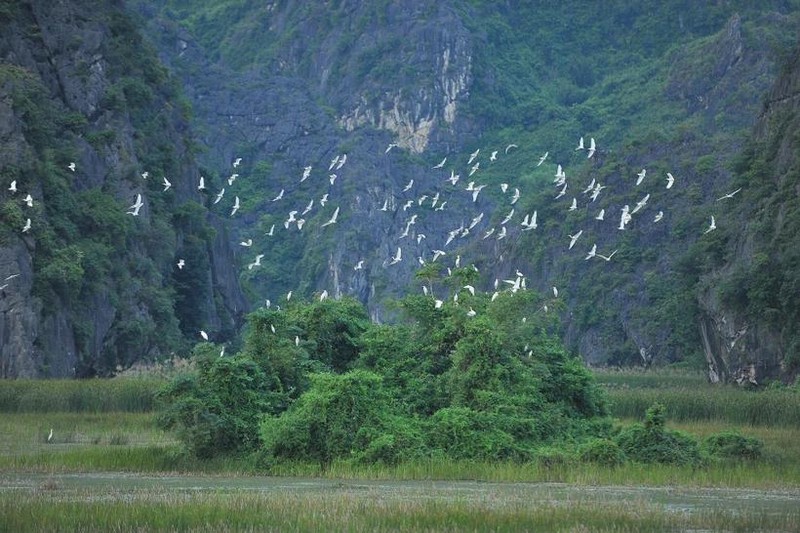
57	510
132	395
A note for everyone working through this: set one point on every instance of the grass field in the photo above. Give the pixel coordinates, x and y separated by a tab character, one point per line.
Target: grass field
105	430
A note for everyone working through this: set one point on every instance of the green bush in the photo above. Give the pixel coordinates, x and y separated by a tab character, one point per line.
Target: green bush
651	442
602	451
732	445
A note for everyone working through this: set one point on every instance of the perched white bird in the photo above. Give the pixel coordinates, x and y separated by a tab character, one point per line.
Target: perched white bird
440	164
600	215
555	292
71	166
471	312
542	159
470	288
437	304
332	219
712	226
13	186
27	226
202	185
248	243
50	436
729	195
237	162
592	252
323	295
236	205
181	264
280	195
397	257
137	205
167	184
257	263
592	148
640	176
220	194
670	180
204	335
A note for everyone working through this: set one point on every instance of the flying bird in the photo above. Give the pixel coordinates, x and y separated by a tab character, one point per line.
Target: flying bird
237	162
541	159
236	205
600	215
658	216
167	184
580	145
729	195
71	166
306	173
28	200
204	335
574	238
473	155
440	164
712	226
409	185
13	186
220	194
397	257
248	243
27	226
493	156
592	252
515	197
134	209
280	195
181	264
257	263
640	176
592	148
608	257
670	180
359	265
510	146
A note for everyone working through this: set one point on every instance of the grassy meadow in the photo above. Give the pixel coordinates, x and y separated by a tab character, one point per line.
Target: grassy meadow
107	428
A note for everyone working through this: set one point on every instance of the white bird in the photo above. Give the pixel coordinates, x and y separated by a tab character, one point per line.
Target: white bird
574	205
409	185
474	168
280	195
474	222
641	203
332	219
441	206
471	312
600	215
440	164
232	178
562	192
306	173
515	197
288	296
247	243
712	226
308	207
421	199
220	194
296	340
300	222
488	233
476	191
560	175
510	146
408	204
596	191
529	222
658	216
145	175
271	231
323	295
202	185
588	189
333	163
167	184
420	236
71	166
729	195
470	288
256	263
181	264
397	257
640	176
670	180
502	234
508	217
341	162
13	186
555	292
580	144
437	304
236	205
473	155
28	200
332	178
359	265
592	148
504	187
493	156
625	217
134	209
222	351
541	159
204	335
453	179
592	252
574	238
385	205
323	200
237	162
608	257
27	226
391	145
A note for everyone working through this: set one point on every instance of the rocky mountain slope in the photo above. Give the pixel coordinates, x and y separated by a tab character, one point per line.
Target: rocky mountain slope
399	86
85	110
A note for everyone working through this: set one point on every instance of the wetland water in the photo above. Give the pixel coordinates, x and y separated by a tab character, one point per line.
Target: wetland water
104	486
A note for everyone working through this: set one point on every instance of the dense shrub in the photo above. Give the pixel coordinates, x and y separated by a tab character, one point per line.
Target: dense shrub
651	442
602	451
732	445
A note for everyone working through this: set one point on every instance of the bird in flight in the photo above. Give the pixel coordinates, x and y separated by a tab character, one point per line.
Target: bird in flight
306	173
181	264
28	200
541	159
27	226
167	184
592	148
473	155
237	162
640	176
359	265
592	252
247	243
574	238
600	215
236	205
729	195
13	186
712	226
257	263
71	166
204	335
409	185
658	216
670	180
607	257
580	145
440	164
280	195
510	146
220	194
332	219
134	209
397	257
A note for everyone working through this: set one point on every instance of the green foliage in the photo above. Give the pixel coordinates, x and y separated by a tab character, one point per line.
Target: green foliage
732	445
651	442
602	451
